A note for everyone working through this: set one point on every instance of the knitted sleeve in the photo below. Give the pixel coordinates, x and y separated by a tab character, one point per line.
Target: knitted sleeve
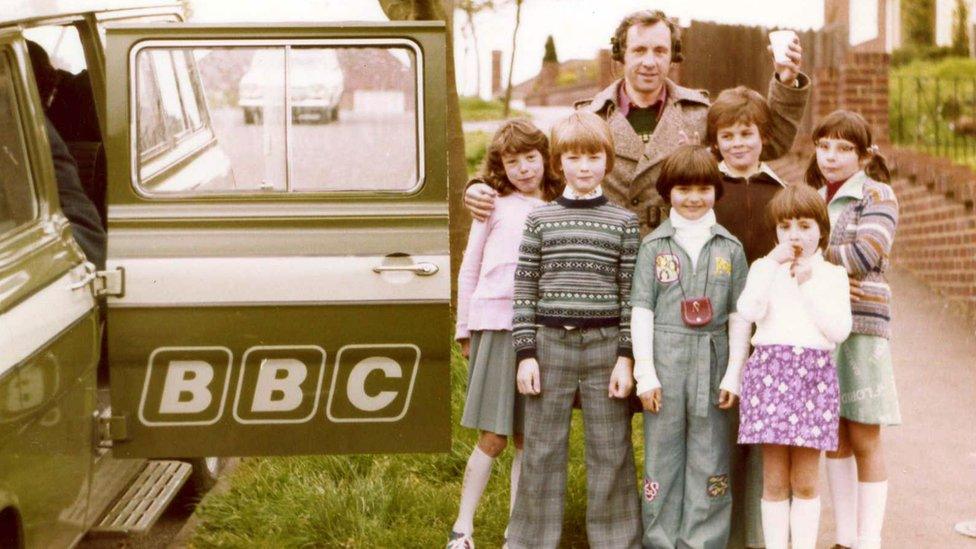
527	274
874	234
625	277
469	273
754	299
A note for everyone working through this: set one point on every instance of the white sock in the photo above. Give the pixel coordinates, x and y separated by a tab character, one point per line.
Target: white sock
804	522
475	478
842	479
776	523
516	474
871	499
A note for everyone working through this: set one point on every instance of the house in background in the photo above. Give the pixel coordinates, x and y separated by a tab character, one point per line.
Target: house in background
872	25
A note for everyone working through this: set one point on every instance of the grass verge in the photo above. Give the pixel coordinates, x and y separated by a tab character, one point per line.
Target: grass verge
476	109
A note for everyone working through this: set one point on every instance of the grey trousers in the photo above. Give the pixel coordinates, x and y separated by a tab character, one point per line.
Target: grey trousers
568	359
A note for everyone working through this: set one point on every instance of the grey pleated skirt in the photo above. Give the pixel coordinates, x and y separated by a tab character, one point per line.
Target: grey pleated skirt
493	402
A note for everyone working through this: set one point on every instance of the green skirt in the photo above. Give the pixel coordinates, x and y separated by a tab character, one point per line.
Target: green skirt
493	402
867	381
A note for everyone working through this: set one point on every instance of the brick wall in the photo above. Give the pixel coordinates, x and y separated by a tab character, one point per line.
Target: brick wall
859	84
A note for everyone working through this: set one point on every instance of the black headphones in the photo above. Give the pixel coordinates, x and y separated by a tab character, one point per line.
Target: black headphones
616	48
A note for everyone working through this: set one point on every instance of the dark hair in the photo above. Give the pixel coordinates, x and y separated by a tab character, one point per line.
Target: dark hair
618	42
45	75
584	132
514	137
738	105
800	201
850	126
689	165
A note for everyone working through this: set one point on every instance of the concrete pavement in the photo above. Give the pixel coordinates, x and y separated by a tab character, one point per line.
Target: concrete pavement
931	457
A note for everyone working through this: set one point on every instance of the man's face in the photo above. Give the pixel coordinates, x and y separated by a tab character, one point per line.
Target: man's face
647	59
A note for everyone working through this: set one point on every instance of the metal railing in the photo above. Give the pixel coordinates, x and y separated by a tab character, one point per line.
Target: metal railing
934	115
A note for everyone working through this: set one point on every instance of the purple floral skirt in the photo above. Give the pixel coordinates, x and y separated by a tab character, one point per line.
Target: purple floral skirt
790	396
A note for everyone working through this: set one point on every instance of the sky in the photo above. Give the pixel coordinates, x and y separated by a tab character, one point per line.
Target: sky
579	27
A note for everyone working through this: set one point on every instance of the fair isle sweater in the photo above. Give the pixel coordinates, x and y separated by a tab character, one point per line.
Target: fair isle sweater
576	265
863	219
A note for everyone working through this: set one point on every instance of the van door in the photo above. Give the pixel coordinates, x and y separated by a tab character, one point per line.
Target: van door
278	254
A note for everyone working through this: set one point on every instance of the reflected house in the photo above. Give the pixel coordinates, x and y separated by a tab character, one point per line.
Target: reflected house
377	80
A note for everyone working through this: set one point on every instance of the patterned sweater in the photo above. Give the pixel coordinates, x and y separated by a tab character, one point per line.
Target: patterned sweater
576	263
863	219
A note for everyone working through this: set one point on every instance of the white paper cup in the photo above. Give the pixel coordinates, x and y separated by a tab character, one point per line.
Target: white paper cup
780	40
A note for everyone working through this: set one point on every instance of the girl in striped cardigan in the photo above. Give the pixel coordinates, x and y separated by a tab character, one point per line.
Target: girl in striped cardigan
852	177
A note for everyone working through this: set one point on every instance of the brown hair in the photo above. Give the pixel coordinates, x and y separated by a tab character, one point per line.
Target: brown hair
514	137
738	105
582	132
618	42
797	202
850	126
689	165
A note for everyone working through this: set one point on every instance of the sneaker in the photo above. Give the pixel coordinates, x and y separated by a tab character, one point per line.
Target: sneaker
458	540
967	528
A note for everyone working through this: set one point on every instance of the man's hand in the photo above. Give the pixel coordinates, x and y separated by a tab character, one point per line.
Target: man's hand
479	199
856	292
465	347
651	400
622	378
787	72
528	379
726	399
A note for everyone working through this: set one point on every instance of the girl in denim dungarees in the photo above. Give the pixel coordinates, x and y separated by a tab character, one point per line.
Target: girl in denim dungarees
681	356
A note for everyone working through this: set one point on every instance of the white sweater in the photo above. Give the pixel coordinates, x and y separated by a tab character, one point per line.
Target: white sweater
815	314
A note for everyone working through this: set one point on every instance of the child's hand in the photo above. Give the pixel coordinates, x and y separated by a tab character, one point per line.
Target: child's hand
782	253
528	378
465	347
651	400
622	378
856	292
683	138
479	199
726	399
802	270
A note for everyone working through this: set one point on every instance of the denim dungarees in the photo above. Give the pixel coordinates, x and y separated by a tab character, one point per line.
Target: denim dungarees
686	496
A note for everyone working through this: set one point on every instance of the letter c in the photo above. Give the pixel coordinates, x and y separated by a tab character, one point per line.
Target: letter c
356	386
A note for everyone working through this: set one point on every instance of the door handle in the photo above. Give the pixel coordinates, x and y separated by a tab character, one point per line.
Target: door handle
88	278
419	269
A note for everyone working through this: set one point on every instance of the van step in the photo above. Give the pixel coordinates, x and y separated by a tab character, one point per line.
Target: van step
145	499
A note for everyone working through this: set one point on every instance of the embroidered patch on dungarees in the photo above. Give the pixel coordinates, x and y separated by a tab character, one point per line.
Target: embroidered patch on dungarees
667	268
718	485
651	488
723	266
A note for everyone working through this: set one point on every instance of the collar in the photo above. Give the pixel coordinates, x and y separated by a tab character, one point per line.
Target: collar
666	230
571	194
581	203
763	169
624	103
673	94
704	222
852	188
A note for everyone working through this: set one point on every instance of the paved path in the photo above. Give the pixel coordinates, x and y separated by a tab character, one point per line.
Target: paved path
932	456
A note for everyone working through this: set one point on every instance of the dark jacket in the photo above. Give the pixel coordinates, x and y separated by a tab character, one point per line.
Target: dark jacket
86	226
742	210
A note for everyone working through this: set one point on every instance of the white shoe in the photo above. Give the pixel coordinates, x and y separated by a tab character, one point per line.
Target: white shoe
458	540
967	528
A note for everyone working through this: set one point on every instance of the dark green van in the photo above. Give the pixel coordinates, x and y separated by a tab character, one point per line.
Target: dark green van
272	287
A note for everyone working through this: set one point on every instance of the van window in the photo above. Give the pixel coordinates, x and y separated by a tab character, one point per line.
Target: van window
294	117
17	202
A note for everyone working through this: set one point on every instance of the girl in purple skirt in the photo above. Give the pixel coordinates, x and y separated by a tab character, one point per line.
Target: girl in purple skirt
790	397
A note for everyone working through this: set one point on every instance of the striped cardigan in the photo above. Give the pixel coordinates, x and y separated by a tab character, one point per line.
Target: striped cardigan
861	236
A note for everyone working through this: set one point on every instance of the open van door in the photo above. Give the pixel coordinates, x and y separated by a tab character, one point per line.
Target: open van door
277	286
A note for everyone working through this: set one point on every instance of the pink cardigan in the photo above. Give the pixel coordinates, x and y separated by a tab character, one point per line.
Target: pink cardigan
487	276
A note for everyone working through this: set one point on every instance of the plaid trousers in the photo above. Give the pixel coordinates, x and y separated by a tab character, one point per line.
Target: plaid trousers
571	359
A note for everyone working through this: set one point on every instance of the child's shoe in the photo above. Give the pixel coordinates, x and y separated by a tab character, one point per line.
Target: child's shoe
458	540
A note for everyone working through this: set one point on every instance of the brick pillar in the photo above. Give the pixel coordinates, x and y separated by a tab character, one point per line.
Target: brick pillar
496	72
859	84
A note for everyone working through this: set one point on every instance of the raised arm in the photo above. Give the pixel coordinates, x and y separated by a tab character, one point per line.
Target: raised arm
789	91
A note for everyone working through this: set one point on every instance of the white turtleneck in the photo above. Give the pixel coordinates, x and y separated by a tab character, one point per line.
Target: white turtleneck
692	235
571	194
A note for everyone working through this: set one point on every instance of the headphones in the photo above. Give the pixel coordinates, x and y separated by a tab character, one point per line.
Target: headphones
639	17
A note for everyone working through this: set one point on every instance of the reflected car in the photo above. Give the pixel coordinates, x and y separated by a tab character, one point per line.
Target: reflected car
315	84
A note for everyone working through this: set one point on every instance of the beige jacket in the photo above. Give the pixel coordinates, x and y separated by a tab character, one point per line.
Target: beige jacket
637	166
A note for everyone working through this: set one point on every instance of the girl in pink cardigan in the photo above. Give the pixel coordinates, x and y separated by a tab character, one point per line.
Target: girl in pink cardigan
516	168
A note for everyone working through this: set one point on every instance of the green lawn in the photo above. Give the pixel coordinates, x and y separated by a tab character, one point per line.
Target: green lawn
475	109
375	501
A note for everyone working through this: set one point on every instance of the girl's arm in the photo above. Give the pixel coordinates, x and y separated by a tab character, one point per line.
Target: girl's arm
642	327
875	233
754	299
625	277
739	327
527	290
827	300
469	273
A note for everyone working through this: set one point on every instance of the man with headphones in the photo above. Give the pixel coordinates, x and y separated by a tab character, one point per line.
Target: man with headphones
650	115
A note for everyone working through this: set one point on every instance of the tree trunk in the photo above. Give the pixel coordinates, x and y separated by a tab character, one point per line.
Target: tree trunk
511	61
460	220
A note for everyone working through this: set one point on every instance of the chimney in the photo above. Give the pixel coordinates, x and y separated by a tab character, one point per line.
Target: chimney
604	68
496	72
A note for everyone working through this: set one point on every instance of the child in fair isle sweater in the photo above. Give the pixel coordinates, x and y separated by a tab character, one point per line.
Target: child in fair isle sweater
571	331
